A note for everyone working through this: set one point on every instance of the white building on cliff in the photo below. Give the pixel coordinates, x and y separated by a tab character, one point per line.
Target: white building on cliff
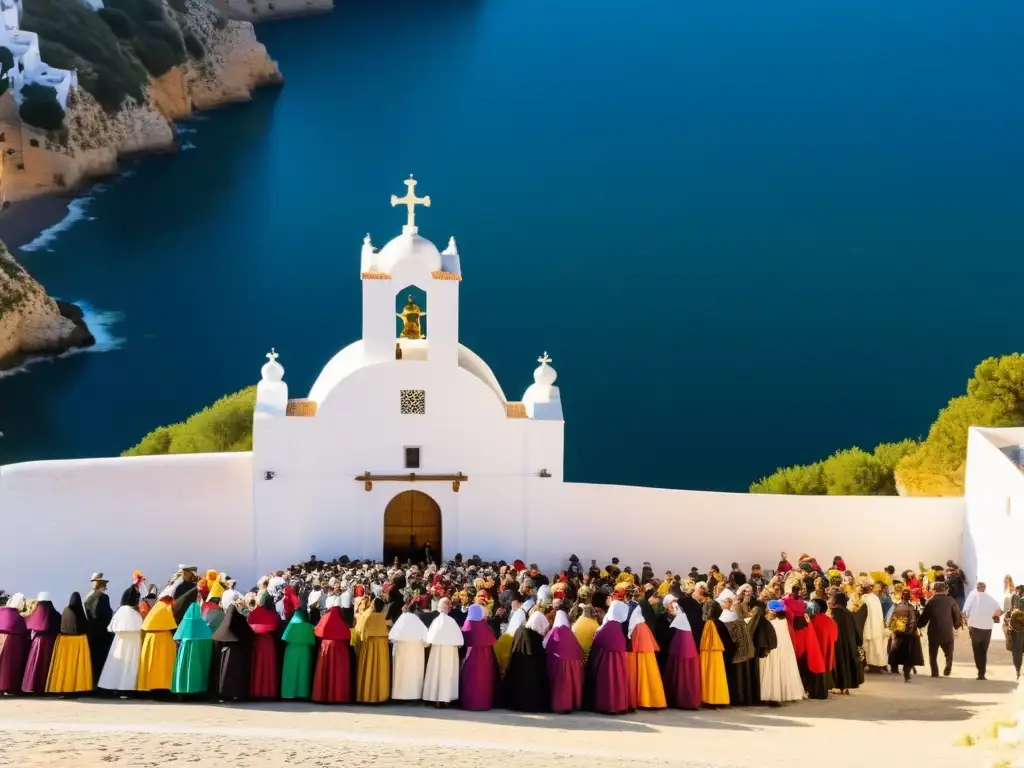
29	66
407	439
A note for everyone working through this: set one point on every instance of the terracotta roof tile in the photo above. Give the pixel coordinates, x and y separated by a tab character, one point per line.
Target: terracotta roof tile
301	408
515	411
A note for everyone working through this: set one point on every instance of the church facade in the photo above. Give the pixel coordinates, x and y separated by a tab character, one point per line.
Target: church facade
406	440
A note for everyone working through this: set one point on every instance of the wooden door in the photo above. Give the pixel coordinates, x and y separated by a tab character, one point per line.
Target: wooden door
412	520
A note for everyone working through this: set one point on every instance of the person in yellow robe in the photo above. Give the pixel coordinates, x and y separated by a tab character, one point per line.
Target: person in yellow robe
503	648
71	664
362	608
643	660
156	665
373	658
714	687
585	627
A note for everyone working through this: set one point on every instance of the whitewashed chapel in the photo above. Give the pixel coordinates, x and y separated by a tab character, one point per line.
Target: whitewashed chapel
407	441
406	431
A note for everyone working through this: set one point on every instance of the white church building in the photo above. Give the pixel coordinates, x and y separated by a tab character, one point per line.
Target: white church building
407	440
29	66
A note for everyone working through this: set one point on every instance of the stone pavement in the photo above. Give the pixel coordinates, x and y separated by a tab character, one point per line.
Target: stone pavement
886	721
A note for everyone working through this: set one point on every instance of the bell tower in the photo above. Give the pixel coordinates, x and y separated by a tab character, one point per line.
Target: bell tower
424	330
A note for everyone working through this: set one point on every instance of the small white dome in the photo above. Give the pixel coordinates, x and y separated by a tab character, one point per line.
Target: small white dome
272	370
408	247
545	374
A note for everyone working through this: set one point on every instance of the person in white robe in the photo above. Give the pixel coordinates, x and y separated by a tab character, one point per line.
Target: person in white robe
780	675
441	682
874	633
408	640
121	669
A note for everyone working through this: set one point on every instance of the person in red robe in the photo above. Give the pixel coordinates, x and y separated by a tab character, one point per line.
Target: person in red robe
264	684
44	626
565	665
805	645
827	632
606	684
682	664
332	681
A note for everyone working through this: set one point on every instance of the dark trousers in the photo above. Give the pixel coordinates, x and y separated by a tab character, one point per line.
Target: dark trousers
933	654
907	670
980	639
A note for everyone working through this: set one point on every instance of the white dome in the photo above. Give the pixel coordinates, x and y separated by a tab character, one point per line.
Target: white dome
545	375
408	247
272	370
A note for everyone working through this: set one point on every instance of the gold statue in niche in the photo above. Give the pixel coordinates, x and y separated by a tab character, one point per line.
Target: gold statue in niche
411	321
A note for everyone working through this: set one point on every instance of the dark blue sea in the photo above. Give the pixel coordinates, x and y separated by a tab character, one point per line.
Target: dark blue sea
749	233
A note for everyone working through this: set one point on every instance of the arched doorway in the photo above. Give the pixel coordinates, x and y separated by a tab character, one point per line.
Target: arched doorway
412	521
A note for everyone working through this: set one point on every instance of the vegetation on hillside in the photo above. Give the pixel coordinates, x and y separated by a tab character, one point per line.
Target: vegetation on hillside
932	467
6	65
39	107
224	426
112	49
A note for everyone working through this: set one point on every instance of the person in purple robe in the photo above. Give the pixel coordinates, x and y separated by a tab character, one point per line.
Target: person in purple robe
606	685
478	676
14	643
682	665
565	666
44	625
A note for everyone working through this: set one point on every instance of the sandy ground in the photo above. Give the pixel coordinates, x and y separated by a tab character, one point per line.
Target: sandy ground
884	722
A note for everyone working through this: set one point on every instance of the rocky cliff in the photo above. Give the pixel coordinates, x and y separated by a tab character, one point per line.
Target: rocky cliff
31	323
233	65
266	10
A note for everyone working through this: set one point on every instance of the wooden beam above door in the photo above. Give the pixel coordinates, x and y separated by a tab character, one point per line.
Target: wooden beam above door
368	479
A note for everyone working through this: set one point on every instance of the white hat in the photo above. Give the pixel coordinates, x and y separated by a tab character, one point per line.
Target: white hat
43	596
727	594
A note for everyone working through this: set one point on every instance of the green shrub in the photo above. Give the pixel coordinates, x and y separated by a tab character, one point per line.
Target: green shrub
40	108
118	22
193	46
71	36
224	426
6	65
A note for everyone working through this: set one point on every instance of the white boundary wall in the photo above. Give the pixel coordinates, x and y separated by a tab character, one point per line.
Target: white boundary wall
62	520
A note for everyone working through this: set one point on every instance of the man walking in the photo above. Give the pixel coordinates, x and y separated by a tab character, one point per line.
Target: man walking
942	617
982	612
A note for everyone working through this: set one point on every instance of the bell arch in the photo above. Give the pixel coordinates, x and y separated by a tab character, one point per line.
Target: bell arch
412	523
410	307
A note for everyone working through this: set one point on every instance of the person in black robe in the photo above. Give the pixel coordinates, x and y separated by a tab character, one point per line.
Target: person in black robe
695	615
848	672
905	645
183	602
644	604
663	631
741	659
189	579
98	614
396	598
525	687
230	671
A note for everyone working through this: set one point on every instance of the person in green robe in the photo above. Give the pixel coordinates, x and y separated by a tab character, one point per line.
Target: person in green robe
195	650
297	669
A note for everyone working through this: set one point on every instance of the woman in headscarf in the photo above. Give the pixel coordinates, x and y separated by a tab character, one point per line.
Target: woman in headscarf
565	665
606	685
333	679
643	657
195	653
71	667
503	647
408	643
848	672
44	624
478	677
373	663
682	663
779	672
716	648
156	666
525	687
14	645
441	682
121	668
663	629
264	621
231	667
297	667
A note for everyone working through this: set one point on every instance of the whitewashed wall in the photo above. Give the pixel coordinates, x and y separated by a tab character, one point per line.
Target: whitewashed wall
63	520
679	529
994	519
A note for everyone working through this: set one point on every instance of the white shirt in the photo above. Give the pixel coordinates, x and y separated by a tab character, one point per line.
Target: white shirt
979	608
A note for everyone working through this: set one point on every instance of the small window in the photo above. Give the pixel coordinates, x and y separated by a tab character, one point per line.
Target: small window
412	458
413	401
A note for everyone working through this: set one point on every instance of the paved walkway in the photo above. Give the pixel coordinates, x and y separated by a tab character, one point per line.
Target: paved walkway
884	722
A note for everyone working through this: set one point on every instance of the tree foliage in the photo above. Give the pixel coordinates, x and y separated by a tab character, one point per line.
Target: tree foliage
934	467
6	65
40	108
224	426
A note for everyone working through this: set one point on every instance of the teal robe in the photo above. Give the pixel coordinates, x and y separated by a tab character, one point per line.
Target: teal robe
297	669
195	650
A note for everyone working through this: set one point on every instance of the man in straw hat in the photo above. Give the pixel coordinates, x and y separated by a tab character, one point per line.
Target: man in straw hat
98	613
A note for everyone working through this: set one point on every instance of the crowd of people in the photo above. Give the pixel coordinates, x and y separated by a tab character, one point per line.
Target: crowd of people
488	634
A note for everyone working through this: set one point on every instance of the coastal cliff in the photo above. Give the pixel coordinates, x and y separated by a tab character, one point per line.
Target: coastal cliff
267	10
31	323
230	64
